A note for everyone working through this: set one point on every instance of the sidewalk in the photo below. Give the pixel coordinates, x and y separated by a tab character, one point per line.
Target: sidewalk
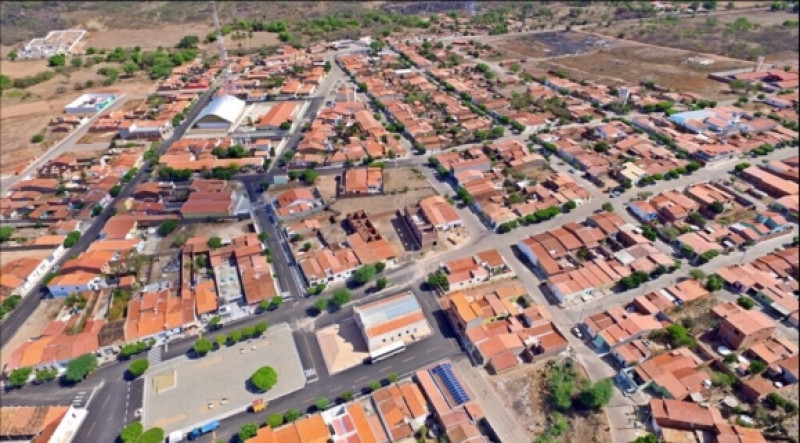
507	429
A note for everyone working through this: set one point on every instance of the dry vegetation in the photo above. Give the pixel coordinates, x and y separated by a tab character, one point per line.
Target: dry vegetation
525	392
741	36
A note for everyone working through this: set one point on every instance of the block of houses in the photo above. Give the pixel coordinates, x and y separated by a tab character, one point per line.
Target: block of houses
361	182
675	374
429	217
742	328
63	285
454	406
480	267
327	266
297	201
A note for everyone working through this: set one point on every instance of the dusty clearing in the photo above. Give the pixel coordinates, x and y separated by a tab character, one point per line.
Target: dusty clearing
524	393
225	231
33	326
767	34
634	64
396	180
381	203
146	38
551	44
21	68
258	40
326	185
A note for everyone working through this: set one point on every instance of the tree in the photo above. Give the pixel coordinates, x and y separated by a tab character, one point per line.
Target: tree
202	346
327	67
13	55
214	242
188	42
285	126
138	367
274	420
291	415
596	396
392	377
46	374
321	403
152	435
714	283
697	274
115	190
265	378
72	239
364	274
80	367
221	339
76	62
131	432
374	385
321	305
649	438
18	377
340	297
381	283
746	302
37	138
380	266
6	232
310	176
235	335
275	302
247	431
757	367
57	60
607	206
716	207
438	279
248	331
214	322
347	395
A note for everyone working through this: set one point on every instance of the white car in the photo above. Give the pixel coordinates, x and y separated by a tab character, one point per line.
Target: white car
577	332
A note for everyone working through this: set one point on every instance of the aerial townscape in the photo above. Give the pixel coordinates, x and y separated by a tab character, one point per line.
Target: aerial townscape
444	221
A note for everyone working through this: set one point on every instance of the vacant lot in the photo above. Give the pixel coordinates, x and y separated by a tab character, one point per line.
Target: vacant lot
397	180
551	44
33	326
524	392
381	203
636	63
149	38
743	36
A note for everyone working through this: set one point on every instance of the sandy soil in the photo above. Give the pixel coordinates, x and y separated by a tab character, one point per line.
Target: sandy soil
21	68
633	64
147	38
223	230
33	326
523	393
400	178
381	203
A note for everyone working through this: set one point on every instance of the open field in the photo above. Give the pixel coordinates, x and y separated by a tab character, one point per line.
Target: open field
636	63
744	36
524	393
550	44
381	203
148	38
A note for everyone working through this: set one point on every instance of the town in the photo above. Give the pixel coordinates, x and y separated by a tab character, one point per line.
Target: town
452	224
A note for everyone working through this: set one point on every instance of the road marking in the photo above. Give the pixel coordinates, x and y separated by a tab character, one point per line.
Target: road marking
108	397
432	350
408	359
361	379
91	428
387	368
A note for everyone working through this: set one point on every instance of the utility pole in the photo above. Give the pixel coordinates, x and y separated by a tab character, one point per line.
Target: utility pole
227	81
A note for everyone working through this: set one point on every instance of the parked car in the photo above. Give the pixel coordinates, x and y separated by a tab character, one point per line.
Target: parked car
615	194
576	331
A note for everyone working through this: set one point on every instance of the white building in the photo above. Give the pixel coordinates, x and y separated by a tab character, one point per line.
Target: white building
221	113
90	103
390	324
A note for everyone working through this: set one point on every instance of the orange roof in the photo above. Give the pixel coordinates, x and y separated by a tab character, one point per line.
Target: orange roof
49	240
313	429
278	114
395	323
206	297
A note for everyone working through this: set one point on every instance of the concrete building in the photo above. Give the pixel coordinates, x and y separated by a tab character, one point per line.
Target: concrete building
221	113
90	103
390	324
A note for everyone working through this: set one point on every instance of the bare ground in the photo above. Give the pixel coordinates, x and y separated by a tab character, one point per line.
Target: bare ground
381	203
523	393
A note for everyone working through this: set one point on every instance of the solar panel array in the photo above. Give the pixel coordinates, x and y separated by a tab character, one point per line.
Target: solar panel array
445	372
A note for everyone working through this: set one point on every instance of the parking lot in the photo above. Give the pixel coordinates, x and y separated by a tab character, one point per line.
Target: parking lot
186	392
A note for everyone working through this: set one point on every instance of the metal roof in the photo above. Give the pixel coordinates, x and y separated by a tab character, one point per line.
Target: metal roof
225	107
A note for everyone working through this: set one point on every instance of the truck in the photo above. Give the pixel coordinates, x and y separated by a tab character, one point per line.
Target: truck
204	429
258	405
175	437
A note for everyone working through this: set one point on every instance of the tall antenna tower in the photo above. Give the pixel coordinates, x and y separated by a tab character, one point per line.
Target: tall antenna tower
227	81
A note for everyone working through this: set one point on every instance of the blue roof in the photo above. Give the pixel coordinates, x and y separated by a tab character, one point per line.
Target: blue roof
681	117
451	383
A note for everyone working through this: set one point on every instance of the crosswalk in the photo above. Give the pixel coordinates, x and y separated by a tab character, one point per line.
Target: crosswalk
154	355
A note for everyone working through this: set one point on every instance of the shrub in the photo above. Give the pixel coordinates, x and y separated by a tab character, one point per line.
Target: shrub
757	367
746	302
722	379
37	138
274	420
138	367
247	431
596	396
79	368
291	415
321	403
167	227
18	377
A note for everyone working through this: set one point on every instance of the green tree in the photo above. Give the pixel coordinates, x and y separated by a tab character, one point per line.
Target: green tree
57	60
214	242
392	377
37	138
275	302
72	239
6	232
188	42
438	279
131	432
381	283
596	396
221	339
746	302
274	420
310	176
341	297
260	328
649	438
46	374
714	283
18	377
235	335
321	403
321	305
291	415
13	55
697	274
347	396
138	367
152	435
264	379
364	274
607	206
76	62
214	322
80	367
374	385
757	367
202	346
380	266
247	431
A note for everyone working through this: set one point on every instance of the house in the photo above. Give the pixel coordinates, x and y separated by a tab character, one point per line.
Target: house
201	205
297	201
362	182
402	409
94	262
643	210
388	325
429	217
66	284
278	114
454	406
741	328
328	267
119	227
675	374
